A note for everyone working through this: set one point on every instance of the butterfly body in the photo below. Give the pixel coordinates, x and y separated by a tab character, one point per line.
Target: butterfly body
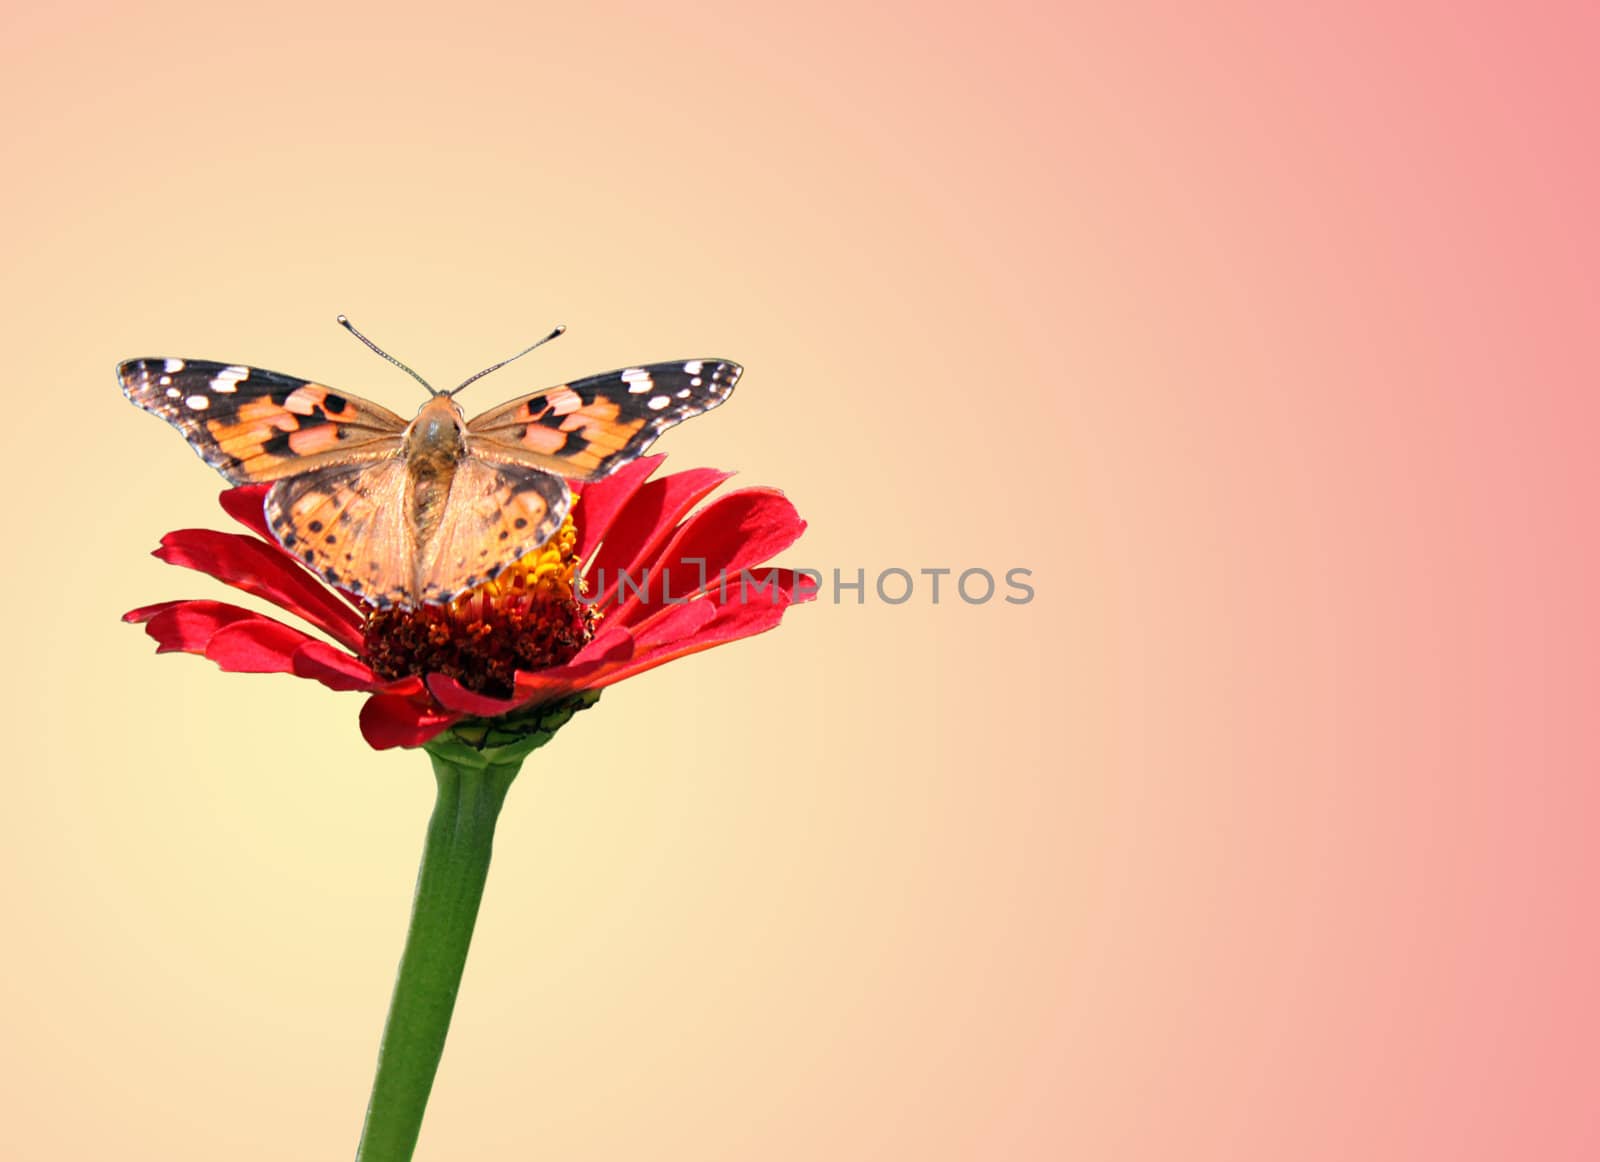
416	513
435	444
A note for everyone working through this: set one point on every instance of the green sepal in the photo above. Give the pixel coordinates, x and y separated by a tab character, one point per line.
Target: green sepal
508	739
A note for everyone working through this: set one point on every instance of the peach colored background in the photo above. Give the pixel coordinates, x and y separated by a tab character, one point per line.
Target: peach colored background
1265	336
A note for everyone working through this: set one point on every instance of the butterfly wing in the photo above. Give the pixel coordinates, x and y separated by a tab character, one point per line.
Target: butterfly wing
591	427
253	425
496	513
347	522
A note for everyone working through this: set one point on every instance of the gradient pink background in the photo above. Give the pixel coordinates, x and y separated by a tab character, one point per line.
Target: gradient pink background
1265	335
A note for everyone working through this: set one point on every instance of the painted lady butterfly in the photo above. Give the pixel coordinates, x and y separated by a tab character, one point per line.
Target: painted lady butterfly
418	513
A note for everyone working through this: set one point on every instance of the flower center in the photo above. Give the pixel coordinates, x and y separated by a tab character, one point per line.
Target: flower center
527	618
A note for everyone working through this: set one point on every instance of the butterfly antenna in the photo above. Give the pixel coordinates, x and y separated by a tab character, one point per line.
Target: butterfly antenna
503	362
351	327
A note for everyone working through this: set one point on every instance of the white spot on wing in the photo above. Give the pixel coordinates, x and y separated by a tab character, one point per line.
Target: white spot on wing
173	393
198	402
685	393
227	380
637	379
692	367
172	365
658	402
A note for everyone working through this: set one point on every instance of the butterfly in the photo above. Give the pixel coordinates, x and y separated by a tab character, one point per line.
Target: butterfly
417	513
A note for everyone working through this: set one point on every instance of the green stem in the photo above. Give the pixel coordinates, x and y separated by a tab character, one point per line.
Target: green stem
455	863
474	762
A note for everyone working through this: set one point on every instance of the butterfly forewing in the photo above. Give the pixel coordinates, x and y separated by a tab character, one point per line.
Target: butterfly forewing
590	427
253	425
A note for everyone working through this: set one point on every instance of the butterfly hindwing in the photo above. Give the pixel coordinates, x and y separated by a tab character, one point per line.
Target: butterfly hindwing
347	523
253	425
497	513
590	427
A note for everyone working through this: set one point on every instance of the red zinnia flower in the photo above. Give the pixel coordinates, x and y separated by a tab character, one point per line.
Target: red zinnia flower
535	636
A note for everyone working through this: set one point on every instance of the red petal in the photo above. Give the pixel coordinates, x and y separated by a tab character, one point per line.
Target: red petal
454	696
648	520
257	646
600	501
731	623
675	622
243	642
672	621
256	568
146	612
334	668
186	626
411	686
394	720
245	505
734	532
788	584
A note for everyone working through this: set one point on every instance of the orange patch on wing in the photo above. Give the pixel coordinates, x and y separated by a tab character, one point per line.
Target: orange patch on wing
264	411
601	411
251	433
611	437
541	439
314	438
